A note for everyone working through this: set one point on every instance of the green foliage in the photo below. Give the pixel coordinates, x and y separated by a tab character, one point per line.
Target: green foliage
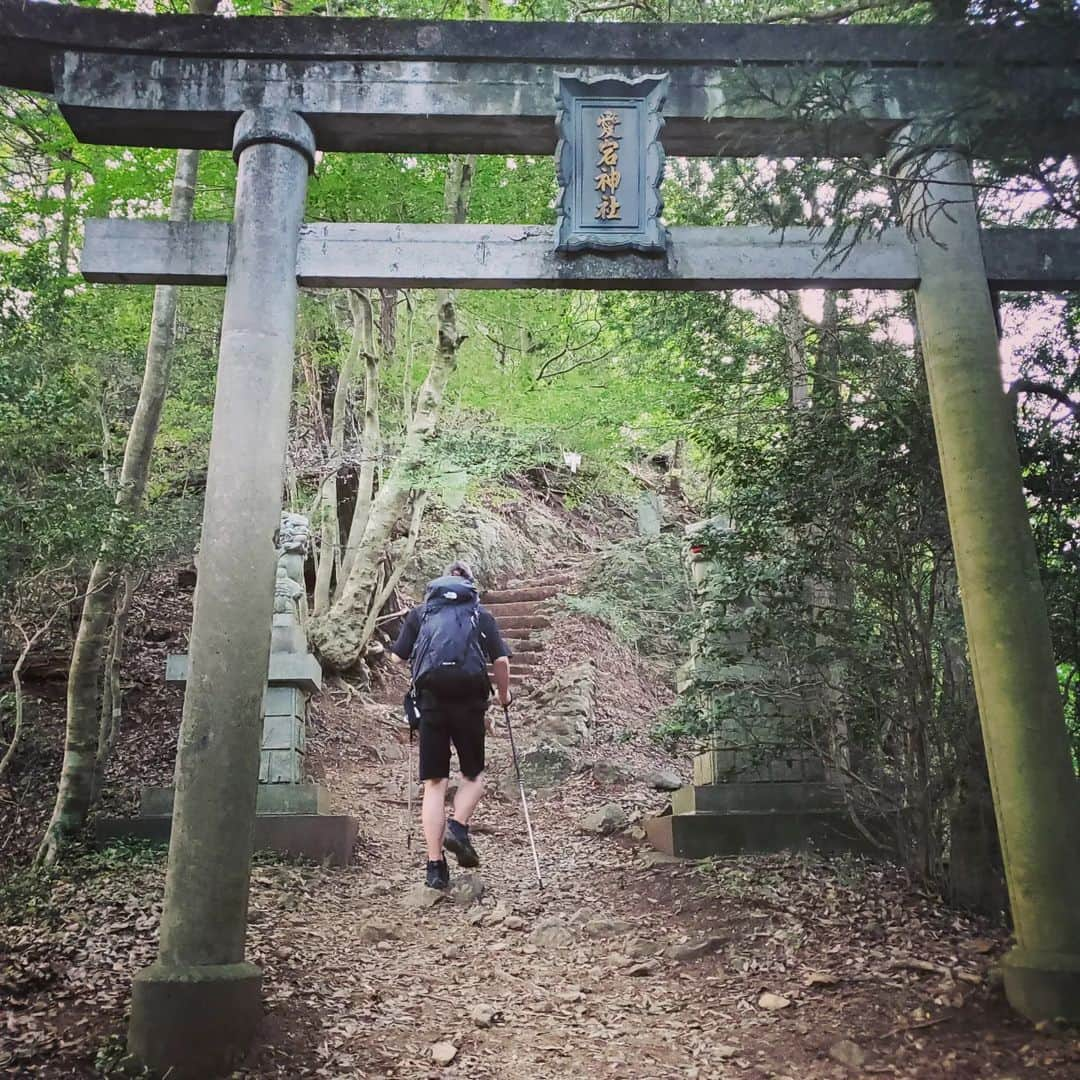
26	896
639	589
29	896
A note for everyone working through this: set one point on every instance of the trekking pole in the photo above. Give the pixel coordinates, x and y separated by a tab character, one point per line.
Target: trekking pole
409	794
521	788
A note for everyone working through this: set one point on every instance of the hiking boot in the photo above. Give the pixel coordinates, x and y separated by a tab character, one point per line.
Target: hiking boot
457	842
438	875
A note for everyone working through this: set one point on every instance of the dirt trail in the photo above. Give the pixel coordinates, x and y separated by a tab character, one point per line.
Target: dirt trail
625	965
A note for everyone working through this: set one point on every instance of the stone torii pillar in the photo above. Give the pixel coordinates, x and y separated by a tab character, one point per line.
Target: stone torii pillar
1036	795
195	1010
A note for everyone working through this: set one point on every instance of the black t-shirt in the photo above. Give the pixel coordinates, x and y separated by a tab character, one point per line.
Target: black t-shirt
491	641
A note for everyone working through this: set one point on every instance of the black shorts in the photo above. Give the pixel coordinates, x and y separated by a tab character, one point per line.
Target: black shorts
444	722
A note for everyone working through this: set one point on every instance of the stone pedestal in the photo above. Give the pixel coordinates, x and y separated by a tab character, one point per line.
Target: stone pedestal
755	799
752	791
320	837
292	816
272	799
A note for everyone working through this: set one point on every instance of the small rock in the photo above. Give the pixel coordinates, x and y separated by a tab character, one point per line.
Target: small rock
420	897
848	1053
725	1050
607	772
663	780
514	922
443	1053
544	765
581	916
599	928
772	1002
380	888
476	917
605	821
652	858
693	950
552	933
499	914
376	930
569	994
483	1016
640	948
467	889
648	967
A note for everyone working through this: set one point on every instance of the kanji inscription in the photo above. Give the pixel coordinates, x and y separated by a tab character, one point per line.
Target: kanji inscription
610	163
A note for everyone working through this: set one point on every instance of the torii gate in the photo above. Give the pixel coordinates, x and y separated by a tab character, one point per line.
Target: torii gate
274	90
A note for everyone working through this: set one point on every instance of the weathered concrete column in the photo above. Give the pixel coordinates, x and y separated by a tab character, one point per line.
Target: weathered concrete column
195	1010
1036	796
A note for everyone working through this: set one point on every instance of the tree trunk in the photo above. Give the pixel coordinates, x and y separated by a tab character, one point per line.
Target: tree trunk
29	641
331	530
792	323
369	443
112	694
343	633
76	789
67	213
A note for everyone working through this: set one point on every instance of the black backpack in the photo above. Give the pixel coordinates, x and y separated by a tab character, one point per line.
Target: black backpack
447	656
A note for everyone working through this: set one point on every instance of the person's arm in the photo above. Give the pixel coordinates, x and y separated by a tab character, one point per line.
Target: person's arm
502	680
401	650
498	653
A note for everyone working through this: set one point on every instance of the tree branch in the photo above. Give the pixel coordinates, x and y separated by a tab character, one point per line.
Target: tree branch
1033	386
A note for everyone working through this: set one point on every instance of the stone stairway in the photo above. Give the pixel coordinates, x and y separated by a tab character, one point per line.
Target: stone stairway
520	610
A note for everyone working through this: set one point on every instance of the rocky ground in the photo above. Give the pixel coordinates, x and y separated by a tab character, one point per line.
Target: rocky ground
625	963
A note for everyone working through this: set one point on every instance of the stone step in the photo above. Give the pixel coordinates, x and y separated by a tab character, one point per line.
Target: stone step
523	645
554	578
527	607
516	596
523	622
524	659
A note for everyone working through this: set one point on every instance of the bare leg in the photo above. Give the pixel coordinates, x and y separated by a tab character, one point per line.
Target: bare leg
469	794
433	815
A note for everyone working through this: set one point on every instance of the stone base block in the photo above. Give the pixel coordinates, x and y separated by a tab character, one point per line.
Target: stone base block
1043	986
272	799
319	837
724	798
289	669
194	1022
700	835
759	764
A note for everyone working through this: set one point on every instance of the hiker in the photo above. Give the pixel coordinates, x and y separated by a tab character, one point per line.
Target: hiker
450	638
